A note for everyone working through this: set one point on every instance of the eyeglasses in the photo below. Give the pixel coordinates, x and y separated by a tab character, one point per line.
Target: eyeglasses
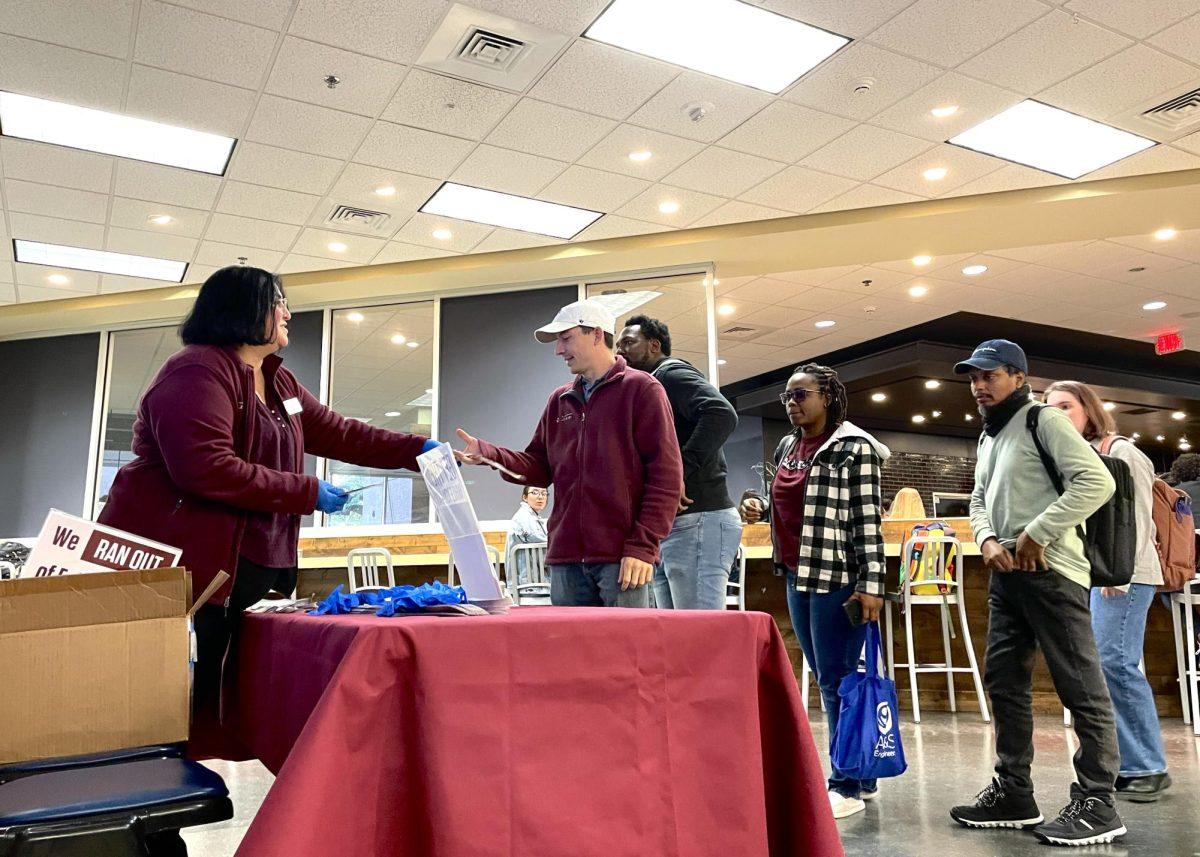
538	492
280	301
798	395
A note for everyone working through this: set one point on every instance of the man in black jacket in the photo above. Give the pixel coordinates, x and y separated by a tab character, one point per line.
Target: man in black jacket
702	544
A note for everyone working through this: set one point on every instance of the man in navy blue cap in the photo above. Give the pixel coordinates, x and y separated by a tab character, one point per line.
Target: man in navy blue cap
1038	597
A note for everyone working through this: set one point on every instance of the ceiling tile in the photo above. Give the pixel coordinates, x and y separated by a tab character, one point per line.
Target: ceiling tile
156	183
41	162
1190	143
864	152
393	30
1183	39
190	102
603	80
692	205
1044	52
231	229
1185	245
139	242
838	16
953	272
853	284
549	130
509	239
464	234
61	74
1037	252
52	201
612	226
507	171
797	189
1137	19
976	101
51	230
34	294
8	292
946	32
612	153
85	282
962	165
831	86
262	13
282	168
315	242
723	172
396	251
1008	177
358	183
571	18
739	212
213	48
1088	258
112	284
412	150
294	263
1160	159
1135	76
866	196
194	274
786	132
732	105
99	26
447	105
301	67
263	203
816	276
306	127
136	214
217	255
596	190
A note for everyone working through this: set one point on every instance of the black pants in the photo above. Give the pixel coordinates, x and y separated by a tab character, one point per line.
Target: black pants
1044	609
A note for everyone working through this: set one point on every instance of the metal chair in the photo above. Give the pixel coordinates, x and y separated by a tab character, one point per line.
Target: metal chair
1185	602
735	591
952	596
493	557
536	588
369	561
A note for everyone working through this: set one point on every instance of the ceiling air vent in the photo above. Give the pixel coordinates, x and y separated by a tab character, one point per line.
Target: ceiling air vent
738	330
358	219
1137	412
490	50
1176	114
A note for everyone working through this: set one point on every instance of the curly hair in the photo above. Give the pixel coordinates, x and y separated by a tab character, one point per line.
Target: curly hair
832	386
1186	468
652	328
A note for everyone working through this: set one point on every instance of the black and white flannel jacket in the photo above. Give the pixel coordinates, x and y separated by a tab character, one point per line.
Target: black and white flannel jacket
842	539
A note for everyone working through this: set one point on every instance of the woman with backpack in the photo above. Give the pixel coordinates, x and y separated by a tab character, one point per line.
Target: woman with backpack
824	508
1119	614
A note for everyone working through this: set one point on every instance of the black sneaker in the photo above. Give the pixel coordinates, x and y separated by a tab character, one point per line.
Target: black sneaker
1145	789
1084	821
994	807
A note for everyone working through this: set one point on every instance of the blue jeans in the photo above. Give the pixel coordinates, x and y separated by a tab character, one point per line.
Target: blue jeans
696	557
593	584
832	646
1119	623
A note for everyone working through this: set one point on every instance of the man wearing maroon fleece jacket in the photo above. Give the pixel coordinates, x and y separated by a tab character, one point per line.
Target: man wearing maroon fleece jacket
607	443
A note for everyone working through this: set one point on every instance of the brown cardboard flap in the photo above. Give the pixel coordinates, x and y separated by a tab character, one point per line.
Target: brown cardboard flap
75	600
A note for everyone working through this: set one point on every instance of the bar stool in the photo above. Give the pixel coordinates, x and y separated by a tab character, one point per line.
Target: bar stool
950	596
1185	601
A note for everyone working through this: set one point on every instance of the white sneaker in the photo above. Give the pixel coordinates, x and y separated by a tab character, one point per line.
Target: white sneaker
843	806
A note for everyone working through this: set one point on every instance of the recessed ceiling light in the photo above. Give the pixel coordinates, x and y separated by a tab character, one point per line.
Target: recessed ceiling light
58	279
918	291
1179	415
668	206
944	111
921	261
825	323
974	270
969	418
641	155
932	384
412	343
398	339
1160	438
100	261
477	205
1110	406
113	134
443	234
935	414
726	309
392	414
1055	141
386	190
161	219
1166	234
1153	305
355	317
935	174
337	247
722	362
724	38
918	418
879	397
1135	435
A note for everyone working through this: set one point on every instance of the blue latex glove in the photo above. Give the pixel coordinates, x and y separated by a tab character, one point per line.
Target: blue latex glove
330	498
428	445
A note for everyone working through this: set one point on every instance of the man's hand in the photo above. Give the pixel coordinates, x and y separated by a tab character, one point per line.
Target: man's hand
996	557
1110	592
872	606
684	502
751	510
634	573
471	455
1030	555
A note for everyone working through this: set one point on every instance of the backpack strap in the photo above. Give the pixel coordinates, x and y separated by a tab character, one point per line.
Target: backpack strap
1031	422
1107	443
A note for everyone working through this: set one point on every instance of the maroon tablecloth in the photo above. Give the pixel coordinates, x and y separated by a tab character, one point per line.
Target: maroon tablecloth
548	731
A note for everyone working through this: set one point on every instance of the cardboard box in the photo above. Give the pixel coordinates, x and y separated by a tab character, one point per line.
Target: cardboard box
93	662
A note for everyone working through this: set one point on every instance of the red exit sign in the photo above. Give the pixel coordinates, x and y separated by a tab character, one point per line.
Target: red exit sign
1168	343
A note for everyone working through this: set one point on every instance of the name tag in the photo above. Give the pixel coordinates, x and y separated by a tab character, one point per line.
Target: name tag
292	406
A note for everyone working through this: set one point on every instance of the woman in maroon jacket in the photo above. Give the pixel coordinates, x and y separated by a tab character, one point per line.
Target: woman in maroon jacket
220	438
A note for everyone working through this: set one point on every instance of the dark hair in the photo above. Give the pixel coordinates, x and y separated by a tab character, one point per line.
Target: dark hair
652	328
609	341
1186	468
827	380
234	307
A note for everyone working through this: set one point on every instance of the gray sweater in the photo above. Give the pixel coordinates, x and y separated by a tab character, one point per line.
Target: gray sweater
1014	494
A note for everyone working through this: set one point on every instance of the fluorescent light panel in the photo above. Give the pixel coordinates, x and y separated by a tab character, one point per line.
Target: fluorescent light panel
113	134
101	261
725	38
623	303
511	212
1052	140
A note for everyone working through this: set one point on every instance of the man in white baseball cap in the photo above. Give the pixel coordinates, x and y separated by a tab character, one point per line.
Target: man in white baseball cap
607	443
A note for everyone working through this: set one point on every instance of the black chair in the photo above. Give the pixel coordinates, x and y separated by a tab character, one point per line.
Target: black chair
127	803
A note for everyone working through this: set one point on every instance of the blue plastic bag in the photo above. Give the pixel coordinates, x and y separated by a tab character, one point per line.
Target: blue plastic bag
867	742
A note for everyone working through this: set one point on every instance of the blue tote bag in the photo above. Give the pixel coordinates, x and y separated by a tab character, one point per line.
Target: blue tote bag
867	742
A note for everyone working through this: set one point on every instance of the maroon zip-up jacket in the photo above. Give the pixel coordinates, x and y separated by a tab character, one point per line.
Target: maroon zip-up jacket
614	463
191	483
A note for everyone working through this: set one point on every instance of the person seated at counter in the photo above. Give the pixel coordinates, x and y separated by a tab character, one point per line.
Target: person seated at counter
527	527
220	438
907	505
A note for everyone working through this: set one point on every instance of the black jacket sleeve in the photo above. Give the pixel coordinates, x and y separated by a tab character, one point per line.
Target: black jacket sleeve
700	403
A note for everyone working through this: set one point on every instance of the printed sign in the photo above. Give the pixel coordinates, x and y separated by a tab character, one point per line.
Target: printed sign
71	545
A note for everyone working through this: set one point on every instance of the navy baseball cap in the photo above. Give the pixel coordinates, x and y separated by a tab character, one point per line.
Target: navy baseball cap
992	355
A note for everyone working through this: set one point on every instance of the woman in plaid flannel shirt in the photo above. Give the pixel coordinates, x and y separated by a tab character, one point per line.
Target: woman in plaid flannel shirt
824	509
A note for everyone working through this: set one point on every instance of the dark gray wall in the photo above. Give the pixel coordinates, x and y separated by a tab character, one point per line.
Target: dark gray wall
49	391
743	449
495	379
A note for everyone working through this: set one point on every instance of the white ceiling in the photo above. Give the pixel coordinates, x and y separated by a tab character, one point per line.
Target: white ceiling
255	70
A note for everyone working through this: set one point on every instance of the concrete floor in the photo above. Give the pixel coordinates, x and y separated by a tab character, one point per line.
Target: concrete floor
949	760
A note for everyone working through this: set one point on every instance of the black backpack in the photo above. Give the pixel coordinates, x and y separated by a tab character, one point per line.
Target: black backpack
1110	540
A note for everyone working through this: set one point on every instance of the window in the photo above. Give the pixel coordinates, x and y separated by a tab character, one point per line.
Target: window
677	300
382	373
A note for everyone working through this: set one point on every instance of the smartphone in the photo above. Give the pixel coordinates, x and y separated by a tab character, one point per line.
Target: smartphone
854	612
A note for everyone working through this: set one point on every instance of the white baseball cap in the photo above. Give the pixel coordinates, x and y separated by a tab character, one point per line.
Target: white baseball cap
589	313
